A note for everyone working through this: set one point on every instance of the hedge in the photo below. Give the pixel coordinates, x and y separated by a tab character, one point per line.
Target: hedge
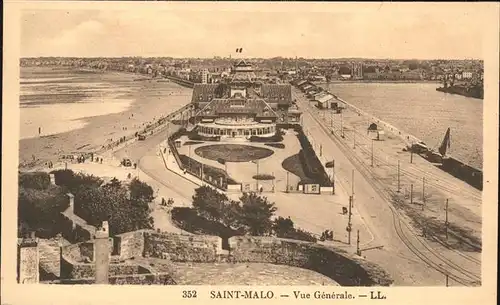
34	180
311	164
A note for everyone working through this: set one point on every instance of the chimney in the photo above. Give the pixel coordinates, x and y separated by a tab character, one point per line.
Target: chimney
52	179
71	198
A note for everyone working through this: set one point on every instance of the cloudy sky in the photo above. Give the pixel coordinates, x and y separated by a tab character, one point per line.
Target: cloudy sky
376	32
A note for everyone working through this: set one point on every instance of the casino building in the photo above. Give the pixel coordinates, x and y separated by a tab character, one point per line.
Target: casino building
241	105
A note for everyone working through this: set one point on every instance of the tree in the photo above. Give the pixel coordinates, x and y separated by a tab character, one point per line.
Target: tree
282	226
209	203
111	202
256	214
141	191
39	210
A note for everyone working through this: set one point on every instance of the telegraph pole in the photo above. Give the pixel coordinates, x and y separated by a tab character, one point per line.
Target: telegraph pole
352	184
320	150
358	251
287	181
342	124
446	220
423	191
399	180
349	228
354	139
411	194
447	280
411	155
372	152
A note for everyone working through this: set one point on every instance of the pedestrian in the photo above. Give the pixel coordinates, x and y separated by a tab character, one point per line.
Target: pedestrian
101	160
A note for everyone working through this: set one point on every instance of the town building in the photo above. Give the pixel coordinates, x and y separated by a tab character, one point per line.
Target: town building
241	106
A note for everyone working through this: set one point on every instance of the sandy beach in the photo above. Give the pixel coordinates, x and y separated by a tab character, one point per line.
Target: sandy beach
85	115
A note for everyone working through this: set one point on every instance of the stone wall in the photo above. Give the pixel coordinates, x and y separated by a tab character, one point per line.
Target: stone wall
134	279
183	248
74	228
75	270
130	244
344	268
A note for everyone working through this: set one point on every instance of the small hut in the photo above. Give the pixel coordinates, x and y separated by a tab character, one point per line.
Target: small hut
380	135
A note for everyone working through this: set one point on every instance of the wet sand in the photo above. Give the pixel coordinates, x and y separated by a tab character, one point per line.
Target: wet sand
150	100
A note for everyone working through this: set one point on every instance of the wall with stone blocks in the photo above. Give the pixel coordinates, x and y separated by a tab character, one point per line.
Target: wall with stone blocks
128	245
135	279
74	228
183	248
345	269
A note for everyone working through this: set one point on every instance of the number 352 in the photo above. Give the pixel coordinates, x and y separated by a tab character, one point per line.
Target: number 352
189	294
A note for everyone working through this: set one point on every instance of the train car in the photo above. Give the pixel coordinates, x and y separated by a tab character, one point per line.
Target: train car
463	171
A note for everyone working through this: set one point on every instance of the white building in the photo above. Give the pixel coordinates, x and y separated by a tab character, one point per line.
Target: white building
467	75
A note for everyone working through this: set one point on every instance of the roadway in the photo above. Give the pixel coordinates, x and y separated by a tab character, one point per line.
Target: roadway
405	255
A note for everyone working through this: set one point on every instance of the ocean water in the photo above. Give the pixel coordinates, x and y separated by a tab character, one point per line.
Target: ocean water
418	109
57	101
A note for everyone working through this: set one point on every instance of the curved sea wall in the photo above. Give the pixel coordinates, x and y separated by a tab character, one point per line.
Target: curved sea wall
342	267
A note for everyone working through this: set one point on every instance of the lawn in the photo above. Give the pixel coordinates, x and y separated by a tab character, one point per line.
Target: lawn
233	152
293	165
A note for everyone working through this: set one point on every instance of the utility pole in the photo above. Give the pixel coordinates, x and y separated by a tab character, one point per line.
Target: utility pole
423	189
342	124
446	220
411	155
320	150
447	280
287	181
257	180
349	228
354	138
358	251
352	184
411	194
399	180
372	152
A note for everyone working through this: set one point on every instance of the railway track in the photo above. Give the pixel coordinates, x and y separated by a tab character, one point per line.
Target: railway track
422	250
411	171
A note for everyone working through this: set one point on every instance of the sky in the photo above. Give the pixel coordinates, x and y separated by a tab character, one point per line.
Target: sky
377	32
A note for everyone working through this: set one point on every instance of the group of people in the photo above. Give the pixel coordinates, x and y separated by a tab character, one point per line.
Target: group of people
49	164
168	202
326	235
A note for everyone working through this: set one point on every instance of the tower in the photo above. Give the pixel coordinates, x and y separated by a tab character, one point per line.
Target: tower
102	254
28	260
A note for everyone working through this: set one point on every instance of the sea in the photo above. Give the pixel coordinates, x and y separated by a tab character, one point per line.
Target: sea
420	110
57	100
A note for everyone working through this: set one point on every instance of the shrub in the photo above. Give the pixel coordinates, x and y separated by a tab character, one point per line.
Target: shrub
126	209
276	145
39	210
76	182
263	177
284	228
188	220
34	180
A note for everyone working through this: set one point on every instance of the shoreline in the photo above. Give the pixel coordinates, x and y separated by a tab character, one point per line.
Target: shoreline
378	82
149	101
